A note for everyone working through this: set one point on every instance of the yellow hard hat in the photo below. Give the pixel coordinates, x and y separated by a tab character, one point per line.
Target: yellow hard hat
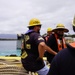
60	26
34	22
49	29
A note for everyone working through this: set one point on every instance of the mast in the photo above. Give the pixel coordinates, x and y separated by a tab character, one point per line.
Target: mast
73	23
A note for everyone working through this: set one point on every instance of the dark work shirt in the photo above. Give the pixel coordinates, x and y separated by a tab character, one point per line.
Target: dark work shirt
64	62
30	62
52	43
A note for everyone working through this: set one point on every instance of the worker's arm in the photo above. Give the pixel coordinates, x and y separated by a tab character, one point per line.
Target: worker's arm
47	48
42	47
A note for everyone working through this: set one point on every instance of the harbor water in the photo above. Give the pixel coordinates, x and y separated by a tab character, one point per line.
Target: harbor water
9	47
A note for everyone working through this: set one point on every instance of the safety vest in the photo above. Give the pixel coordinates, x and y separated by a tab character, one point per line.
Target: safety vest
72	44
60	44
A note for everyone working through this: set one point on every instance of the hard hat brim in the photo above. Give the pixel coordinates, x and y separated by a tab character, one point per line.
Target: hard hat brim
34	25
64	29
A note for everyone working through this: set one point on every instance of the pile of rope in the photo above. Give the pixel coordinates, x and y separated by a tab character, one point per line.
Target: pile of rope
12	67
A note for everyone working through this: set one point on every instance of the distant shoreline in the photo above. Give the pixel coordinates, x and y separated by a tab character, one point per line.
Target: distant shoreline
8	39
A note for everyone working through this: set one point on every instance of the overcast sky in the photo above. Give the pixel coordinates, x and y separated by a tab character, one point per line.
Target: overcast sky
16	14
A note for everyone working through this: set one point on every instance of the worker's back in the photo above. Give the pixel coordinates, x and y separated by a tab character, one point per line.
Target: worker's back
64	62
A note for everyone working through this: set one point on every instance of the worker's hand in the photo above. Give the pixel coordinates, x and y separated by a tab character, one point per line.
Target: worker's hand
40	61
56	53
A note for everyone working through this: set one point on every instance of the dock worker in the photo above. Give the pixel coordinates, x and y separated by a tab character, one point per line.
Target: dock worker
56	41
64	62
33	48
49	32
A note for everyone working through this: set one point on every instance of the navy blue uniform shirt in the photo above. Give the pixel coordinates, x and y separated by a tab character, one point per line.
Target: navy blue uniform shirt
64	62
32	40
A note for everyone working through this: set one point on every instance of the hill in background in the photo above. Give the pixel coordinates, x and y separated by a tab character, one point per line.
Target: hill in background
8	36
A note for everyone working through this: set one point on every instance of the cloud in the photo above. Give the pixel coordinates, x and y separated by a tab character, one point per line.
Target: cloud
15	14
